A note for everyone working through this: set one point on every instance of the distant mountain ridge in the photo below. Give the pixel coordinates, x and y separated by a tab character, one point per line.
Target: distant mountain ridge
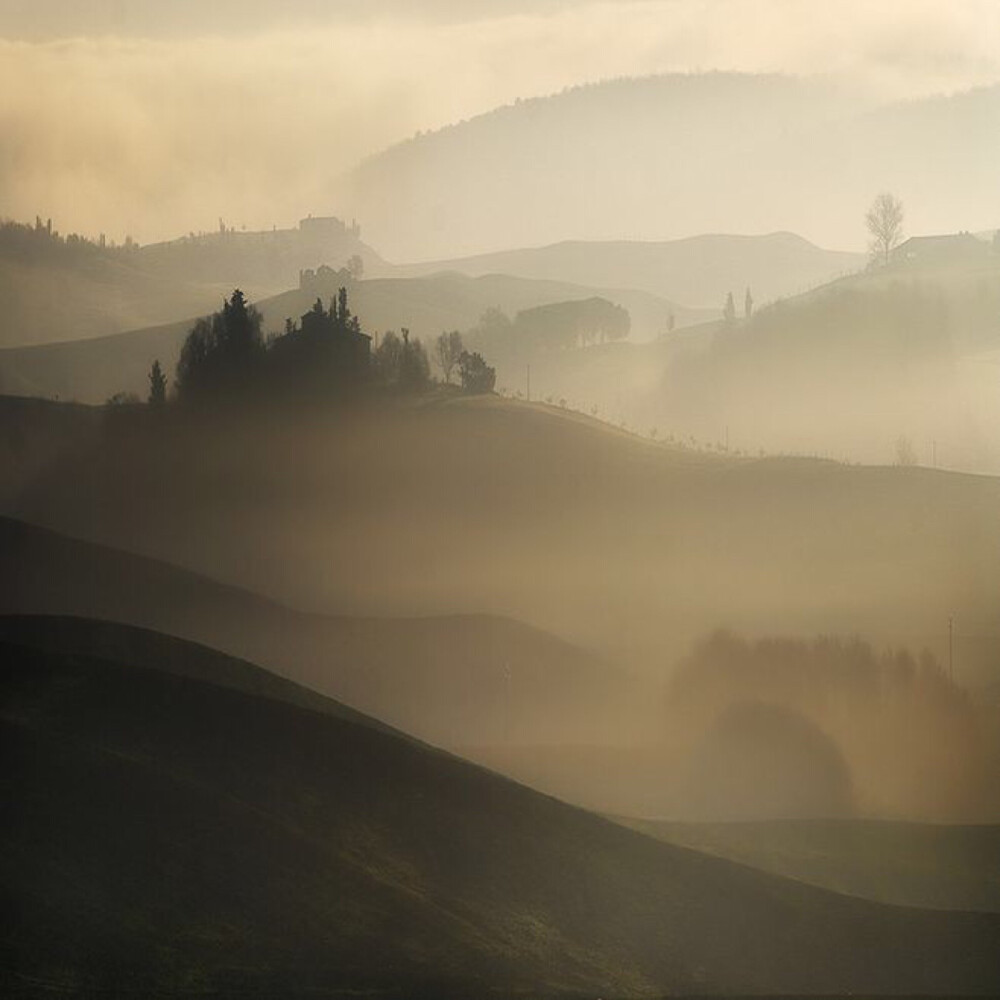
698	270
676	154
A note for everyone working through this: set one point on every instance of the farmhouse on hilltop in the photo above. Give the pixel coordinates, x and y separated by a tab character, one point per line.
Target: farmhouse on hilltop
953	248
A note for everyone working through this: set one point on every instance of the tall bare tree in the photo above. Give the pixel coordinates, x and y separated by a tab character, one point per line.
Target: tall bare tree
448	351
885	223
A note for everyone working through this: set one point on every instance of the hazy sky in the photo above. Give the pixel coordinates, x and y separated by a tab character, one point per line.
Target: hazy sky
154	118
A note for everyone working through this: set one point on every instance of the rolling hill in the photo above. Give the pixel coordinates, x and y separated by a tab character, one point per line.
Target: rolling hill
56	290
230	842
845	370
451	679
673	155
698	270
92	370
443	504
908	864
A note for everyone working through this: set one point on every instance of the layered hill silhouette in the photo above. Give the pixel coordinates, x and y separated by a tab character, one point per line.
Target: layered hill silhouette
453	680
699	270
443	504
675	155
92	370
906	350
230	841
55	291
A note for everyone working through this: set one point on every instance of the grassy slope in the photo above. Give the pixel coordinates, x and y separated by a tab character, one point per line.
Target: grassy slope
542	515
60	296
910	864
442	678
98	295
222	840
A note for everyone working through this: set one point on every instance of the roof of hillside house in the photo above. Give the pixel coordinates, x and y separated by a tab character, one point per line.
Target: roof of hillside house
953	245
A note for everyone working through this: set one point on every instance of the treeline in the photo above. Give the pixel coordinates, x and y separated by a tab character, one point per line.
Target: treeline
910	737
555	326
41	242
227	357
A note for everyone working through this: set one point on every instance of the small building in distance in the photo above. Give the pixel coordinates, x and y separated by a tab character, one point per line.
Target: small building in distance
323	280
328	225
331	339
952	248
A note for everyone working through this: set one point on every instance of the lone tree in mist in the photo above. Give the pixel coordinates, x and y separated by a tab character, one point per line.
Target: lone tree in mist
885	223
448	350
157	385
747	304
414	368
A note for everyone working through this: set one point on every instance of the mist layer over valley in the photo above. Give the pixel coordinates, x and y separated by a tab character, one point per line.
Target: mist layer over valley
500	499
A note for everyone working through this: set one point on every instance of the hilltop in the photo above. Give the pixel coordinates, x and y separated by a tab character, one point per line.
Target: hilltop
672	155
699	270
57	288
346	833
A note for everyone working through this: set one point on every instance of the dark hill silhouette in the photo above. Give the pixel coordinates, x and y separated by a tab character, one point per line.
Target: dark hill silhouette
367	863
92	370
453	680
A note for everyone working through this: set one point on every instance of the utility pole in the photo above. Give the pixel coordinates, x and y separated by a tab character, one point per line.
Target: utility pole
951	649
528	393
506	688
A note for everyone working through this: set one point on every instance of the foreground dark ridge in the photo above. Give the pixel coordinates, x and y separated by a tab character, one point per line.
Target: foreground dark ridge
441	678
228	842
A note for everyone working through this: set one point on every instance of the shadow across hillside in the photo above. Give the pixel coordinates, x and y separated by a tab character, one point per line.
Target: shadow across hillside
223	841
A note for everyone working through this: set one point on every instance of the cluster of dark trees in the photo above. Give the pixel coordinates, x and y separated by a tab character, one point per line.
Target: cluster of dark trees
555	326
226	356
908	733
565	325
